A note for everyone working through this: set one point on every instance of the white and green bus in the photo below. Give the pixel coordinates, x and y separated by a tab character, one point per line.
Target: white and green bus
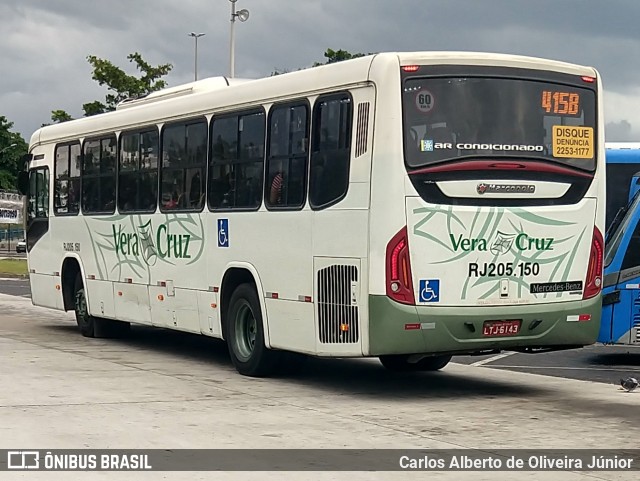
405	206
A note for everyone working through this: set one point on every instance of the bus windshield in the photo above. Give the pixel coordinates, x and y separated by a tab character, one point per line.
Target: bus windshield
618	229
447	118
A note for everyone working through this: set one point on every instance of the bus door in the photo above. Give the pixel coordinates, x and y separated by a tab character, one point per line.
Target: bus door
621	294
34	183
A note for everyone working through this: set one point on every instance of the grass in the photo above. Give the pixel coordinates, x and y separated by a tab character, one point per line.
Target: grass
13	268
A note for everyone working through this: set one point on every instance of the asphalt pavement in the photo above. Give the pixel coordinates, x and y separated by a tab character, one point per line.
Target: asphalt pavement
15	287
162	389
597	363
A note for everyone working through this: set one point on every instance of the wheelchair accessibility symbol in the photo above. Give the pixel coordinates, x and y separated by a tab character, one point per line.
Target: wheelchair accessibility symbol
430	290
223	232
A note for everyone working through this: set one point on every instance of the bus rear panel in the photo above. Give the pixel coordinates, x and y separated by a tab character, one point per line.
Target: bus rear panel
503	244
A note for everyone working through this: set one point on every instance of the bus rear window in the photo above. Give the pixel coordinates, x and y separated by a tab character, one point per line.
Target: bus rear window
447	118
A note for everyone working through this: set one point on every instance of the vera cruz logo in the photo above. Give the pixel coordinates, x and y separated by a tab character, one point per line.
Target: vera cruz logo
150	243
502	243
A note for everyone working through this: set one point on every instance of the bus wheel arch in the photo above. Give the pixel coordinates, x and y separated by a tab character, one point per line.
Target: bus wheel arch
69	273
243	324
234	277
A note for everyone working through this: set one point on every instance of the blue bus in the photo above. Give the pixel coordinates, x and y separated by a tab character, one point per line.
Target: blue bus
623	161
620	322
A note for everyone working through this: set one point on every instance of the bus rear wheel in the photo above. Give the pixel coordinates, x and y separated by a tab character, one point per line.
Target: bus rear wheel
402	363
91	326
245	334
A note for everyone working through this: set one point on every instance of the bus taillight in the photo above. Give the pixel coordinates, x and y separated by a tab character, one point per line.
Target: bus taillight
593	283
398	269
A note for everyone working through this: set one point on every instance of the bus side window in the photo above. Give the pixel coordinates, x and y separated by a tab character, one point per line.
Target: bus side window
632	254
331	150
184	157
287	152
237	161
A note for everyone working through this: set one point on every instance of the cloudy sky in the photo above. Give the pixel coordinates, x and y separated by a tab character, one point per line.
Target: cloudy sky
44	43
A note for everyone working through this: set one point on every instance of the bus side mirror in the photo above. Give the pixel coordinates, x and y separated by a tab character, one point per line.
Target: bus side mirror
26	158
23	182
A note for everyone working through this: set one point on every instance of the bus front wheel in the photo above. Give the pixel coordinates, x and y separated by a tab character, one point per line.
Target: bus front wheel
402	363
245	334
91	326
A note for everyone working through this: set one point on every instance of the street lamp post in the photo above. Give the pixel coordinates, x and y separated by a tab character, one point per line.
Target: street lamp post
242	15
7	148
196	36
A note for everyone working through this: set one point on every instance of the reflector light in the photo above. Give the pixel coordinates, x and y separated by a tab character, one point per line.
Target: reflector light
587	79
398	269
593	284
411	327
410	68
584	317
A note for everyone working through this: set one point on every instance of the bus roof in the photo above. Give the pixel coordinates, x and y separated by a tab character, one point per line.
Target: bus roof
622	152
622	145
221	93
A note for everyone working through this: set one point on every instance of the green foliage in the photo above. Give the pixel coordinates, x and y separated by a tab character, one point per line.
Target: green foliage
94	108
331	56
119	84
10	154
125	86
334	56
59	116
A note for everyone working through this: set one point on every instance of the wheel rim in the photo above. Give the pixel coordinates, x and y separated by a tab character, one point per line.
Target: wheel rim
81	306
246	329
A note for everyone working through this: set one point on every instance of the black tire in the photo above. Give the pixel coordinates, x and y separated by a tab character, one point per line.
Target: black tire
245	334
400	363
91	326
86	322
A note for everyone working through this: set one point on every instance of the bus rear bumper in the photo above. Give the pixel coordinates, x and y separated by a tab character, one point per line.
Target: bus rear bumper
400	329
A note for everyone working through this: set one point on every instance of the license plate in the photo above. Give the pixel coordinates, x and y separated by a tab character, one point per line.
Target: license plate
501	328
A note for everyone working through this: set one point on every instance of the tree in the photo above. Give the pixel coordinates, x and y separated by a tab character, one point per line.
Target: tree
334	56
119	84
10	154
331	55
59	116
